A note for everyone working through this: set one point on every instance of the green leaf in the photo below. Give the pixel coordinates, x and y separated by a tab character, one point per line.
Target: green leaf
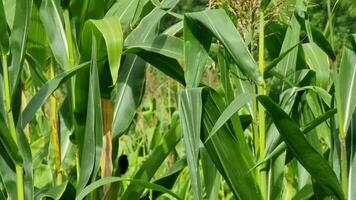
311	160
166	45
218	23
234	106
92	138
148	25
195	52
8	143
52	192
110	30
125	11
275	61
347	87
168	179
8	178
25	150
212	177
107	180
287	66
227	154
46	90
51	17
190	111
318	61
167	65
18	40
128	93
4	40
322	42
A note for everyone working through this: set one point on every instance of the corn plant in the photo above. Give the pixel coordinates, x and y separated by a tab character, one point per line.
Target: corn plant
259	104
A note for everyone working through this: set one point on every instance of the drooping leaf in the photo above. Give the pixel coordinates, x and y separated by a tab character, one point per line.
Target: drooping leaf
311	160
163	44
195	52
110	30
219	24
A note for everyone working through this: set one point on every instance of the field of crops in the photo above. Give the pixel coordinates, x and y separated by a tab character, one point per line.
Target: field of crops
178	99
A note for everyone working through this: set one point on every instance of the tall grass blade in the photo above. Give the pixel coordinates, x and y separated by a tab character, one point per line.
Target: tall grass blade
190	111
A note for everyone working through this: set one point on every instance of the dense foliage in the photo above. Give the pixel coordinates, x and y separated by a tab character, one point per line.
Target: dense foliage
169	99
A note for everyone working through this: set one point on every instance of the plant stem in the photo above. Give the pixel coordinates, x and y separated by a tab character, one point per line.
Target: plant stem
261	110
55	137
10	117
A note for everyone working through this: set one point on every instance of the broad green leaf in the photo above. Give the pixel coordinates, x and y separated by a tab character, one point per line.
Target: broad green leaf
322	42
110	30
8	143
190	112
319	62
151	164
128	90
51	16
4	40
167	65
174	29
311	160
127	93
226	153
347	87
107	180
163	44
148	26
18	40
46	90
195	52
234	106
218	23
125	11
92	138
